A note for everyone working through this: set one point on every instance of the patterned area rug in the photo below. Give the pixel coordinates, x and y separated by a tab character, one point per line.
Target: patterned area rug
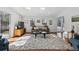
51	42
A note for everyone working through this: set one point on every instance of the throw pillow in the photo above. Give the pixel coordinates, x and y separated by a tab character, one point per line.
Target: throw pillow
76	36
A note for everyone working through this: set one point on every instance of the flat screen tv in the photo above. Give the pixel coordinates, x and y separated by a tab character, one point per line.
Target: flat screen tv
20	24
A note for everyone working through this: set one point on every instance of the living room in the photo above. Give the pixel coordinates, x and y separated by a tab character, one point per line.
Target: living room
26	26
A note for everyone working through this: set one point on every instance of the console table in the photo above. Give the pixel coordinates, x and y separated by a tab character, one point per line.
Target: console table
19	32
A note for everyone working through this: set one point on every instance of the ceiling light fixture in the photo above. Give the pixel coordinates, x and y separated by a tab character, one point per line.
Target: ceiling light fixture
28	8
42	8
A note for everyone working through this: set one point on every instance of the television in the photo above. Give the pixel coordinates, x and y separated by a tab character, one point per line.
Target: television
20	25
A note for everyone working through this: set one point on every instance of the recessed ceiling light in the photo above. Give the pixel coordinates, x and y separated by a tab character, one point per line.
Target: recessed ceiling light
42	8
28	8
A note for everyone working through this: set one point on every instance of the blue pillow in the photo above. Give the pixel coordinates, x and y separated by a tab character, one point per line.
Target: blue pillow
76	36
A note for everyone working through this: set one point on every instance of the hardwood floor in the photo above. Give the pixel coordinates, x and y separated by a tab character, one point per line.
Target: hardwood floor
42	50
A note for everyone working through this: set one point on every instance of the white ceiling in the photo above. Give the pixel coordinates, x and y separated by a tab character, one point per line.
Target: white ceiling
35	11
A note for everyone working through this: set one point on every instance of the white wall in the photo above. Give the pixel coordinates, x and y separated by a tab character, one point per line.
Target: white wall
13	21
68	13
14	17
53	27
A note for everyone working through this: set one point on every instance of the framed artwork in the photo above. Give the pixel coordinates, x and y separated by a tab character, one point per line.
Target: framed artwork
44	22
50	22
38	20
60	21
32	23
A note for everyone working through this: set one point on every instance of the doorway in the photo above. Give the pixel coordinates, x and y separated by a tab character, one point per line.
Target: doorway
60	26
4	24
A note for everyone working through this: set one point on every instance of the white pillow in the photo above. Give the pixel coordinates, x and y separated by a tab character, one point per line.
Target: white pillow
35	27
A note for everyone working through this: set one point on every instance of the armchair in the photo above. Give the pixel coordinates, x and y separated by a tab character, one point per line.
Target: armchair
4	44
75	42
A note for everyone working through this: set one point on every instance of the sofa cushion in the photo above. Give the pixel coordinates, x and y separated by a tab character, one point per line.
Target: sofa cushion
76	36
75	43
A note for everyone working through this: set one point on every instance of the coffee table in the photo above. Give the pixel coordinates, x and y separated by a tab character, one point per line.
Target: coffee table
43	32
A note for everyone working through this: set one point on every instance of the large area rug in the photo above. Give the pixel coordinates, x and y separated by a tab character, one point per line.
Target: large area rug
51	42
